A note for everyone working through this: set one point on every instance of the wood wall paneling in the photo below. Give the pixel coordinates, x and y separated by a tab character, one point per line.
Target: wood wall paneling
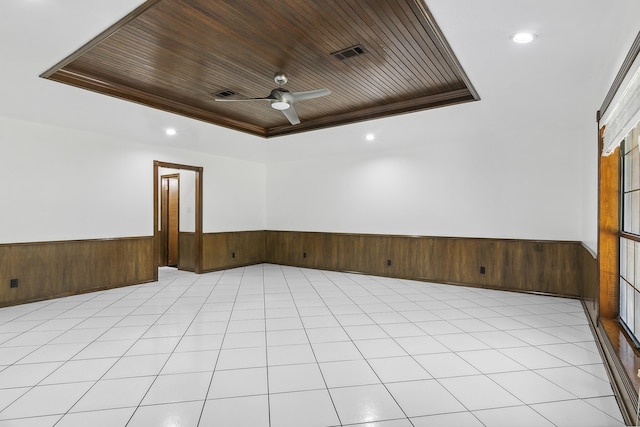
543	267
538	266
186	251
53	269
456	260
522	265
232	249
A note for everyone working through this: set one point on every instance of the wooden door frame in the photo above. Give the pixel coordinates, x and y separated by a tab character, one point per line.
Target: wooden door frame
198	255
162	242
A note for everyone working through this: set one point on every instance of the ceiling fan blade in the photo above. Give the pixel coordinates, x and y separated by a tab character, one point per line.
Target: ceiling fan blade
310	94
243	99
291	115
281	99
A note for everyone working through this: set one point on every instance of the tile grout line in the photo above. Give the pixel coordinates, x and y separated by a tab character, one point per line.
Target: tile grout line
129	348
178	342
221	343
69	359
334	291
310	344
266	345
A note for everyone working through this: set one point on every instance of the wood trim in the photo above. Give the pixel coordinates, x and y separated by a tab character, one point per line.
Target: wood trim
169	165
60	268
423	103
416	236
622	74
625	346
408	65
102	86
608	231
156	232
199	251
99	85
630	236
433	29
100	37
624	383
165	230
198	226
53	242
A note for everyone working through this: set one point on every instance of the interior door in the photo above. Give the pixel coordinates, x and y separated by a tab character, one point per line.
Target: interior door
170	220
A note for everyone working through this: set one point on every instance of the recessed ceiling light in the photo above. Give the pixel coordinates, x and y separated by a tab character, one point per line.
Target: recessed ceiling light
370	137
523	37
170	131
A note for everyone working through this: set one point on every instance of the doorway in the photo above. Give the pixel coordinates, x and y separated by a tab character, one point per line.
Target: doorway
196	247
169	220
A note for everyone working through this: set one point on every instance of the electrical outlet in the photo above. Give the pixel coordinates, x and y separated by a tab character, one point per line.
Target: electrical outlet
233	254
482	270
14	283
388	263
304	254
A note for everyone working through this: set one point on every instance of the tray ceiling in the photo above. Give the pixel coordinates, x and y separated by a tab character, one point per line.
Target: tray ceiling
178	55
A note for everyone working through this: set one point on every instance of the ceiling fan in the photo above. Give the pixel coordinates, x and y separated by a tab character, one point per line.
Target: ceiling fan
281	99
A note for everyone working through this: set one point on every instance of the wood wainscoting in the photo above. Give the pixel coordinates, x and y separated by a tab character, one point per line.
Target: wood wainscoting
552	267
186	251
54	269
223	250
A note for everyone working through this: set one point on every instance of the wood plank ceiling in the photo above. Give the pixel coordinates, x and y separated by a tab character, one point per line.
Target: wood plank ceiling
176	55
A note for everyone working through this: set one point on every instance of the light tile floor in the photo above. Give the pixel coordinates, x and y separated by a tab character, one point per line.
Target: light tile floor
280	346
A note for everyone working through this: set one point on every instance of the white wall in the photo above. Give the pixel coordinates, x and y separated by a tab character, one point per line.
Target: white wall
444	172
520	163
590	195
61	184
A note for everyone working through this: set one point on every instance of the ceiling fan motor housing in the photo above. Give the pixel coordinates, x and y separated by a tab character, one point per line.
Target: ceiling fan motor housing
280	79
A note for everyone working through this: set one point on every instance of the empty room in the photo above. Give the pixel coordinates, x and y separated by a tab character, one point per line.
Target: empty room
382	213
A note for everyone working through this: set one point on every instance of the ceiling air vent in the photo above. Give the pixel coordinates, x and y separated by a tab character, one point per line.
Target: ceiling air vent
224	93
349	52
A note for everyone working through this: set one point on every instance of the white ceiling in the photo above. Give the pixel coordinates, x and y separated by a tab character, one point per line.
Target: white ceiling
559	80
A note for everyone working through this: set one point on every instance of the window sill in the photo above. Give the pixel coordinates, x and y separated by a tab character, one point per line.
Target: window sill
624	349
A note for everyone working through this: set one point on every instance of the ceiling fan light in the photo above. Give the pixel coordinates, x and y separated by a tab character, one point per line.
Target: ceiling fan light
280	105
